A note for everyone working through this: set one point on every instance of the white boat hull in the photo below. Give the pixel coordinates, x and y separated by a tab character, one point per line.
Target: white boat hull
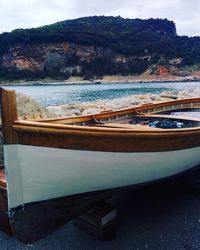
42	173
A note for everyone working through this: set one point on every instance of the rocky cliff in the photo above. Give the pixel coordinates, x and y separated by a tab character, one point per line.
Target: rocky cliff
64	57
96	46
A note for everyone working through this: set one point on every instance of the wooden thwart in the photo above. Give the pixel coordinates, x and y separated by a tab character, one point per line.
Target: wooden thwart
126	126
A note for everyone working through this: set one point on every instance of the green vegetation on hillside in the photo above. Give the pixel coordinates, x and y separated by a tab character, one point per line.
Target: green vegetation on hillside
136	38
129	36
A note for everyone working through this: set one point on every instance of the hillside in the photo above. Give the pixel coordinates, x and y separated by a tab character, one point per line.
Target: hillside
95	46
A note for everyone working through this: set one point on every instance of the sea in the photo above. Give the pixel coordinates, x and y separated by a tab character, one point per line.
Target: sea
58	94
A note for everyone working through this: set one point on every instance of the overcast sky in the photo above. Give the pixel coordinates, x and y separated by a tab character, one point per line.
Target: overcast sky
33	13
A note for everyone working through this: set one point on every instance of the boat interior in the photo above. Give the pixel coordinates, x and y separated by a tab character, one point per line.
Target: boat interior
169	115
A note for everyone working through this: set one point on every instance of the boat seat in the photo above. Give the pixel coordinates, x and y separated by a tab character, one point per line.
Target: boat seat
2	179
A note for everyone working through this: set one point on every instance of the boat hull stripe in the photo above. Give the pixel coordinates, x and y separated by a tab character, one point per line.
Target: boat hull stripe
42	173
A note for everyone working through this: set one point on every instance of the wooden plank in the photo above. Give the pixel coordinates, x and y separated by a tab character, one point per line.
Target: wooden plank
2	179
126	126
8	115
124	141
174	117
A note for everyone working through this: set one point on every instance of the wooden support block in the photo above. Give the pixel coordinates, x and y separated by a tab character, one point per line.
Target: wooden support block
99	221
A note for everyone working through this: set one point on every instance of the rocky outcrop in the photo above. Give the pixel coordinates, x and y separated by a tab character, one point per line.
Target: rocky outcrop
120	103
27	108
39	57
73	59
66	59
169	70
163	70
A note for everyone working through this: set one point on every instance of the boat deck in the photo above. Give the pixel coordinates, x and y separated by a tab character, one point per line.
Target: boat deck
141	121
138	117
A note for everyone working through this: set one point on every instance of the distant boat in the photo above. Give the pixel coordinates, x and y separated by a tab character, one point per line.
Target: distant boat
55	169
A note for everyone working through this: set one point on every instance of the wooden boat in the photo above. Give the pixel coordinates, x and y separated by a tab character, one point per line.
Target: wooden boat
55	169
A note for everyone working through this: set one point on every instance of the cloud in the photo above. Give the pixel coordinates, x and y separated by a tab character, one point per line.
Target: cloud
33	13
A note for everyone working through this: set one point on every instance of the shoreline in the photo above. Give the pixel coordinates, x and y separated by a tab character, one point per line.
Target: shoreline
116	79
97	106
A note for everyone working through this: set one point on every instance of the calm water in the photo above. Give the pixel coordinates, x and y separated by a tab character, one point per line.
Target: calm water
62	94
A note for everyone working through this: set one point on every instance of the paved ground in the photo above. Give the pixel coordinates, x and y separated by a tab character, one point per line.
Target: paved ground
160	217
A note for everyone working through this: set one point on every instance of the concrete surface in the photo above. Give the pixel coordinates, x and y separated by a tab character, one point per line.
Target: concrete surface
161	217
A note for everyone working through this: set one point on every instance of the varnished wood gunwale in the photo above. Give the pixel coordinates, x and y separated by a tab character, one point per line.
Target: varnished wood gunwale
112	139
35	127
106	139
170	103
87	118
